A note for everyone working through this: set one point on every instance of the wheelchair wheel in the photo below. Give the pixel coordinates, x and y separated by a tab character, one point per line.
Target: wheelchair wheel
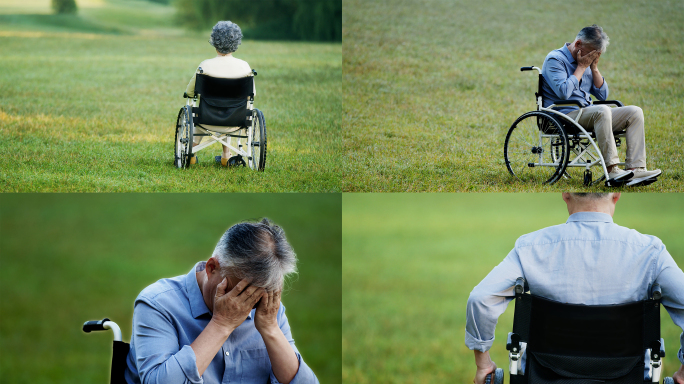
183	143
258	160
498	376
536	148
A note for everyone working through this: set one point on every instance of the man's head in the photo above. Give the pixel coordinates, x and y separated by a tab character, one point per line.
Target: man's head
257	251
591	38
591	202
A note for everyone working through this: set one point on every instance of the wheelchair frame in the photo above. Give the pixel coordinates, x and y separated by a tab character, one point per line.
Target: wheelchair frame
184	145
589	159
119	351
517	346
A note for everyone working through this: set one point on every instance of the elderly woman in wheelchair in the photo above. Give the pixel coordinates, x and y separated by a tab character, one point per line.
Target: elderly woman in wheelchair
220	107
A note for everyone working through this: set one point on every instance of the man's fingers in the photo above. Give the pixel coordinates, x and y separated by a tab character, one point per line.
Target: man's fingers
248	293
239	287
221	287
256	295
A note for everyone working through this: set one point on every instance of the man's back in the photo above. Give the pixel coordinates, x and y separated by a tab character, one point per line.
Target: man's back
589	260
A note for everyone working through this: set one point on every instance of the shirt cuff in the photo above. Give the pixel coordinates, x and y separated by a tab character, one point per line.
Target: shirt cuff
188	363
304	374
680	355
476	344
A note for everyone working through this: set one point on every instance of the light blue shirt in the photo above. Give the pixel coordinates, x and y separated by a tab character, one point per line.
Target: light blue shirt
168	317
588	260
561	84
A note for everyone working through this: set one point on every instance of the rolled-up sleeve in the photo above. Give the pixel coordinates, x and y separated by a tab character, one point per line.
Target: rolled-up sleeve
600	93
489	300
159	357
671	280
555	75
304	375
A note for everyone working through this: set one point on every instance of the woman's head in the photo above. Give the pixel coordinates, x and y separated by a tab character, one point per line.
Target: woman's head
225	37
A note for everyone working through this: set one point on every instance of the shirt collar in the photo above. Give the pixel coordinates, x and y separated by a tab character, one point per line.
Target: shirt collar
197	305
590	216
568	55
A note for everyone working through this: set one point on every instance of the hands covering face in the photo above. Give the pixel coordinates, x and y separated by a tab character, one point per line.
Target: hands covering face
588	60
232	308
266	316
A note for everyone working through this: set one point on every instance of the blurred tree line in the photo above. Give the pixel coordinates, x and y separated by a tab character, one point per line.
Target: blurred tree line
64	6
312	20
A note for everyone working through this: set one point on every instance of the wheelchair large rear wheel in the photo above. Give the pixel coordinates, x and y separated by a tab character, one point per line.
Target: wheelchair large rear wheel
183	143
536	148
258	160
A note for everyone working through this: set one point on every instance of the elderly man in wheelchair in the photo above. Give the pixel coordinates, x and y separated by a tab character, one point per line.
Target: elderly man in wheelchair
569	130
220	107
587	302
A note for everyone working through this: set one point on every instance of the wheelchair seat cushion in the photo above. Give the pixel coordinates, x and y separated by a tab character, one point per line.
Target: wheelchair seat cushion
227	112
550	368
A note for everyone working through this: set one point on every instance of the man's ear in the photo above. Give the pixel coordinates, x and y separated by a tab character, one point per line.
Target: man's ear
212	266
616	197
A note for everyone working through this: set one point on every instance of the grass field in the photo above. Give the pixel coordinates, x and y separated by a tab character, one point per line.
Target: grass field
410	262
76	257
89	103
431	87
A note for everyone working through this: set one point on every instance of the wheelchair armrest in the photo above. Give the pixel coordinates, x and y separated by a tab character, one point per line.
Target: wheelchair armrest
567	102
617	103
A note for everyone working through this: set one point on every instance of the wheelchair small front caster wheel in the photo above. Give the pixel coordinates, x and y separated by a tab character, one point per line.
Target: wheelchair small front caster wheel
587	178
498	377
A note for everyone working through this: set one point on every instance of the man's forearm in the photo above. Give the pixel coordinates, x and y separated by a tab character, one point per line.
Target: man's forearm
208	343
579	72
284	361
598	79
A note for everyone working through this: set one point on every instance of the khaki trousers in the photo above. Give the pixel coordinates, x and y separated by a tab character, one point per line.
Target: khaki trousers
604	120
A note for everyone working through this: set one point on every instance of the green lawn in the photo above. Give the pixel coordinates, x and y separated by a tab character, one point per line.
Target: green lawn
410	262
431	87
89	103
68	258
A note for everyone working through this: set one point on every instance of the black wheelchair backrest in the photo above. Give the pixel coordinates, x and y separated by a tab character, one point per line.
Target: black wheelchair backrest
215	87
566	341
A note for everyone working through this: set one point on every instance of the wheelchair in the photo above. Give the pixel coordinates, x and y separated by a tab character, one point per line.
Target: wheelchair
225	103
544	145
573	344
120	349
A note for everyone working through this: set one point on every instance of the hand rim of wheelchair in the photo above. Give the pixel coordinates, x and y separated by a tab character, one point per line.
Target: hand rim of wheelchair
536	145
183	148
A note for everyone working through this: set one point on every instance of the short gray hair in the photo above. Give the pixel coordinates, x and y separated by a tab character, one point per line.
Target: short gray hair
225	37
593	35
258	251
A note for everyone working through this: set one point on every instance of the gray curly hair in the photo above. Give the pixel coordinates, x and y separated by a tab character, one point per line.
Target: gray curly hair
258	251
225	37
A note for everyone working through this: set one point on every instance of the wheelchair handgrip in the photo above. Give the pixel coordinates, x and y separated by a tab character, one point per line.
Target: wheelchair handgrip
526	68
94	325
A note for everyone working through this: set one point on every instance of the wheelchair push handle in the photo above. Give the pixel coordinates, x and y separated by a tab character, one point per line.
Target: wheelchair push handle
103	325
656	292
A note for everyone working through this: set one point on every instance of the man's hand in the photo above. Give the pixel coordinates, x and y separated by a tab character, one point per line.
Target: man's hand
594	64
587	60
482	373
266	315
678	377
232	308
